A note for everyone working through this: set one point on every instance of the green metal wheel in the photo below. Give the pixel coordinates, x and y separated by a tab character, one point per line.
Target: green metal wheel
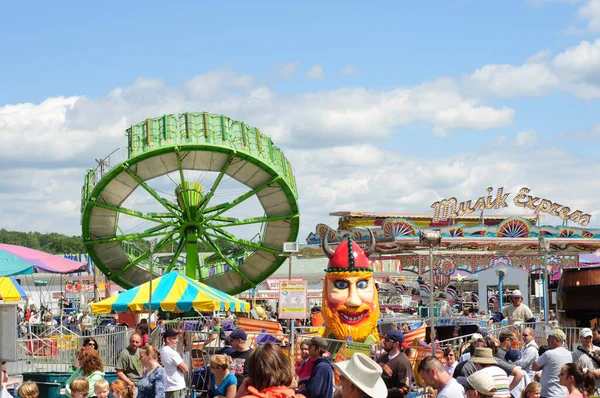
192	181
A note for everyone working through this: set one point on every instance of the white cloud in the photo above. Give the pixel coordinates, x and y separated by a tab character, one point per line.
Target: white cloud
590	13
579	63
287	69
316	73
348	70
508	80
526	138
540	56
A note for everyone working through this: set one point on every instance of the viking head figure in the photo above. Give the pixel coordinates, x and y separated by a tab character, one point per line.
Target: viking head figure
350	305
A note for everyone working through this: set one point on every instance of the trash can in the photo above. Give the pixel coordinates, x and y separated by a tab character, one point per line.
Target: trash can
50	383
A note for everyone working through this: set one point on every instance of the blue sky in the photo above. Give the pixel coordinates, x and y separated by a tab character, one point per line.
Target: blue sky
384	106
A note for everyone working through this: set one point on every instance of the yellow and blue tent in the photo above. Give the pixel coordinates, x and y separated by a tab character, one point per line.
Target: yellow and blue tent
171	292
10	290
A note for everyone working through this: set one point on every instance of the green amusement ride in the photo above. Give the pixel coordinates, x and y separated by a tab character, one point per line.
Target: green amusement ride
251	185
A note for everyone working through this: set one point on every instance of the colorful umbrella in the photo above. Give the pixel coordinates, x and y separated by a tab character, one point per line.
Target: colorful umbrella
19	260
10	290
171	292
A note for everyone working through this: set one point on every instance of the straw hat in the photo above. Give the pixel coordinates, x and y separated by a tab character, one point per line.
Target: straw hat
484	356
364	373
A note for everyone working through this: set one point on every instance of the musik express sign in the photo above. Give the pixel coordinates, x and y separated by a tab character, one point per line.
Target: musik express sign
450	208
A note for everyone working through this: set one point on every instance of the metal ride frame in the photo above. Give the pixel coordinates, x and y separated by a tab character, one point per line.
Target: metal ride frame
200	142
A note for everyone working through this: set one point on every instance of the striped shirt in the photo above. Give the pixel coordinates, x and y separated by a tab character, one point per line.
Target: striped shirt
501	381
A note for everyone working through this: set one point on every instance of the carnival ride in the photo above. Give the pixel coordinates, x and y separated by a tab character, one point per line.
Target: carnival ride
125	203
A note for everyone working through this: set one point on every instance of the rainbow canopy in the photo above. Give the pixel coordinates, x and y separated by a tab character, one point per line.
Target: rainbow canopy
20	260
10	290
171	292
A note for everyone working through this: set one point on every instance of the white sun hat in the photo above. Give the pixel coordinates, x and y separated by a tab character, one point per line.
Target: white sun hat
364	373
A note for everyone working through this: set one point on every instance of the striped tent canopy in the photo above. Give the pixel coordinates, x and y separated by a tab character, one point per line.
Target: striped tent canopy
10	290
171	292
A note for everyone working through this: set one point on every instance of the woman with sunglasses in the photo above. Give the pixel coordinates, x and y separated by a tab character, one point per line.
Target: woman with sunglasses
578	383
90	342
222	381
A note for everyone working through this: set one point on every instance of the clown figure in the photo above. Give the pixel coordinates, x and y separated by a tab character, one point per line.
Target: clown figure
350	305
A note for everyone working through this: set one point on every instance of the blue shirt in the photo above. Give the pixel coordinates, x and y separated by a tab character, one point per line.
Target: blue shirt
229	380
152	385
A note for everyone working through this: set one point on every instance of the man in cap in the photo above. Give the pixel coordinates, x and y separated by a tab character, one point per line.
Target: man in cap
551	362
397	371
587	355
239	356
480	385
320	383
361	378
434	375
529	351
516	312
175	367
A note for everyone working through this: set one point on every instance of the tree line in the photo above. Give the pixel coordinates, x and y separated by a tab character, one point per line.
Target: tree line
56	243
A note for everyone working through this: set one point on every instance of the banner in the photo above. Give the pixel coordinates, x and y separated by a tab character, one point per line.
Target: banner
74	288
293	303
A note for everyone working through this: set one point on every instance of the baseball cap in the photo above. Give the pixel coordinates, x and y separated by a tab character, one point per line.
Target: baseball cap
480	381
237	334
475	337
395	335
586	332
513	356
319	342
516	293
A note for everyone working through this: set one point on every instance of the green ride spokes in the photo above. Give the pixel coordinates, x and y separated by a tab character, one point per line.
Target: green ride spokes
243	216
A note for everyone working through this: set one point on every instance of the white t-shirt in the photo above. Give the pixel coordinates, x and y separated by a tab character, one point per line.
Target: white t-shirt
552	361
452	390
170	359
586	362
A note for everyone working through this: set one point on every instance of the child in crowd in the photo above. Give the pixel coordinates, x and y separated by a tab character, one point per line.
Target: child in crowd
80	388
28	390
533	390
120	389
101	388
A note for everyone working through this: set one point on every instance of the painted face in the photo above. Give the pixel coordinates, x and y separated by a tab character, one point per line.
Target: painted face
350	307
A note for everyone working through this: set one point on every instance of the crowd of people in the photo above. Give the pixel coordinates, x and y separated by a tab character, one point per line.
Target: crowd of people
485	367
495	370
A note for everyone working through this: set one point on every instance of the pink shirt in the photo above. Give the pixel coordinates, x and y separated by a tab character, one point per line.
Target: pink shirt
304	368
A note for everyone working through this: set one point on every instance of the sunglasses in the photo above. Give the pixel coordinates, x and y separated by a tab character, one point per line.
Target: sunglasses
90	344
525	335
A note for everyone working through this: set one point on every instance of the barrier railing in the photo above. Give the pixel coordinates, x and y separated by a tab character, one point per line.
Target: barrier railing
57	352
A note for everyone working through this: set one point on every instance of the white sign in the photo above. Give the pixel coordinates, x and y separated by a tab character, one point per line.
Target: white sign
293	303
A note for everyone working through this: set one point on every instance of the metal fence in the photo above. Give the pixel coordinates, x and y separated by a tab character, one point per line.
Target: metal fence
56	351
